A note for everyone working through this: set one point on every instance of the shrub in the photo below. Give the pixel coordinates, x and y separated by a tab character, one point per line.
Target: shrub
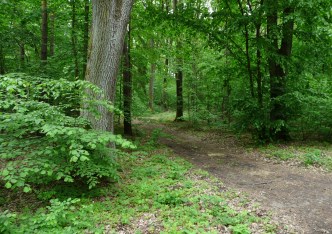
42	140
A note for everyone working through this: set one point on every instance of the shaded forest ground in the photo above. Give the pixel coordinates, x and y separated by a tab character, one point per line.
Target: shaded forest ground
299	197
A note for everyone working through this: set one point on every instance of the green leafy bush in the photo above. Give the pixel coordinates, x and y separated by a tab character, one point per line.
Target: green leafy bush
59	217
40	139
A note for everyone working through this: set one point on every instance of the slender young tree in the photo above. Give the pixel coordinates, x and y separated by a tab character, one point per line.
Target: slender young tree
127	87
152	79
86	34
52	34
44	32
2	60
178	75
74	37
109	22
248	58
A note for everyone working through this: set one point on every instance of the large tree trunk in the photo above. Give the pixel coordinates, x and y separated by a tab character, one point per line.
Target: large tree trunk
86	34
278	112
109	22
127	88
43	51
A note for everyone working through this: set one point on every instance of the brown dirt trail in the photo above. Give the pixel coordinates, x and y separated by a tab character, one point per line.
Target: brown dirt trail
299	197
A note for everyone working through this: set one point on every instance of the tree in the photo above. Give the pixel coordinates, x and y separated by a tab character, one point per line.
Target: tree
74	37
44	32
277	58
86	34
152	79
52	34
178	76
127	87
109	22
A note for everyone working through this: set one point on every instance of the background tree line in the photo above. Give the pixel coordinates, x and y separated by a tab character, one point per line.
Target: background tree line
261	66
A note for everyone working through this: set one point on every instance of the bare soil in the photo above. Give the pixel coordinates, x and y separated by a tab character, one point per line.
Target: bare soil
298	197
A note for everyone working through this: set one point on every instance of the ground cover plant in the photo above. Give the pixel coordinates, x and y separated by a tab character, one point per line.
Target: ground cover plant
305	154
158	193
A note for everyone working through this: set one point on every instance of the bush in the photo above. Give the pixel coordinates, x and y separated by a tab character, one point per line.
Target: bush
59	217
40	139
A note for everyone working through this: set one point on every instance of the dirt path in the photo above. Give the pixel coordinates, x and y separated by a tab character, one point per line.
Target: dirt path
299	197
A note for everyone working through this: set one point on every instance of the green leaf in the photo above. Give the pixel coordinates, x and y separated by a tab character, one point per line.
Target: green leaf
84	158
26	189
8	185
5	172
74	159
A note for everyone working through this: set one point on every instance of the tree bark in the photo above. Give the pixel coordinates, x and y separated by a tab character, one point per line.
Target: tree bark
44	33
127	88
109	22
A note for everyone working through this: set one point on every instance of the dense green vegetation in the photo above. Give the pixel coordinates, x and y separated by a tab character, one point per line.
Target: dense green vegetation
157	193
68	78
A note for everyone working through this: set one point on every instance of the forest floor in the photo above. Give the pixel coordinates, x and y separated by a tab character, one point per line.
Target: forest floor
298	197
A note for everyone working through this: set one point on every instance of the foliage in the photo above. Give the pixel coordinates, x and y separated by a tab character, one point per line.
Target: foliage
40	143
59	217
158	193
166	195
318	156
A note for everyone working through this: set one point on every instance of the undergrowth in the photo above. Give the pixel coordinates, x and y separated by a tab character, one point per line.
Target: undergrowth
317	156
158	193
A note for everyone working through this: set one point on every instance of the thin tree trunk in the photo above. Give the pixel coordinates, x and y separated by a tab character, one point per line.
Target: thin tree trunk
44	29
178	76
52	34
2	61
74	37
152	79
259	79
22	55
86	34
179	95
109	22
165	5
246	33
259	61
164	88
142	71
127	88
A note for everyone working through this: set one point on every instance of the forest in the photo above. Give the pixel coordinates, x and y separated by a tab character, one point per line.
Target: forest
165	116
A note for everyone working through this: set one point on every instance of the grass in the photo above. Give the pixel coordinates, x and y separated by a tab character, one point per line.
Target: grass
316	155
158	193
